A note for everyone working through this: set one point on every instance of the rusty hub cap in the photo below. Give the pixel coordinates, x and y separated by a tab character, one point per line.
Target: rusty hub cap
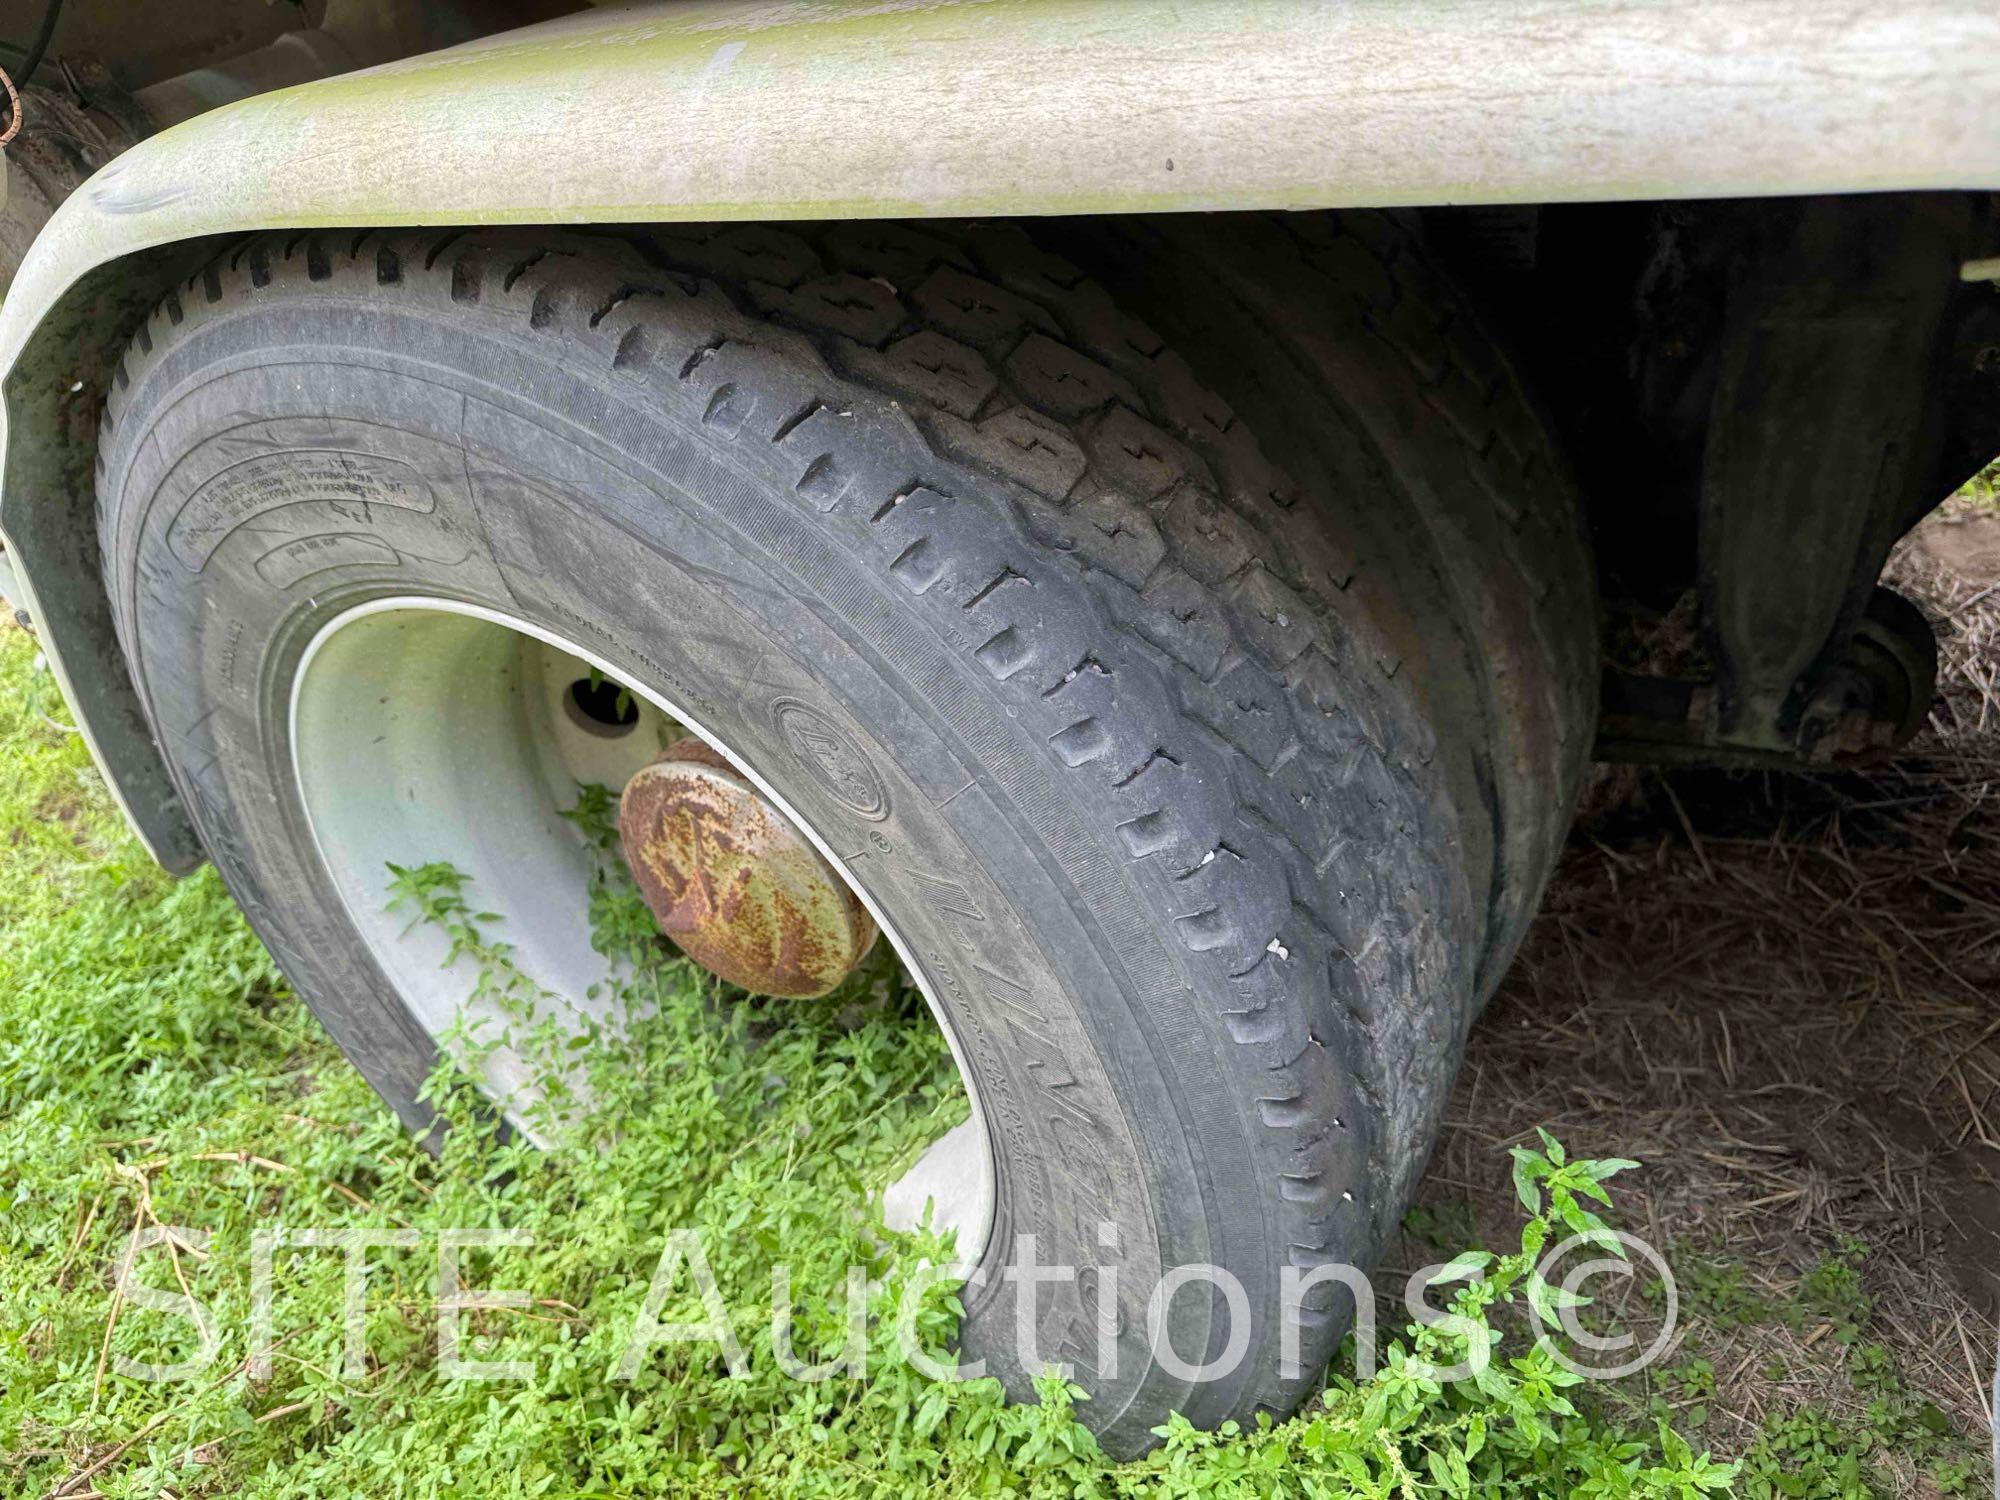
735	884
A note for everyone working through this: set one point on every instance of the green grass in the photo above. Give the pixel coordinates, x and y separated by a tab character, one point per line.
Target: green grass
156	1071
1979	493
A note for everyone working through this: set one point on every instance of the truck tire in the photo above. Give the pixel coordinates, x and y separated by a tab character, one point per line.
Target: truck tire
1156	761
1326	325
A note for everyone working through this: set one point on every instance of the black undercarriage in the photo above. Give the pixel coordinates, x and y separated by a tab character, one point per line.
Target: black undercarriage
1759	399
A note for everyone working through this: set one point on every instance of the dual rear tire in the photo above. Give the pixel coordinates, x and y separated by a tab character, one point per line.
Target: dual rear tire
1183	643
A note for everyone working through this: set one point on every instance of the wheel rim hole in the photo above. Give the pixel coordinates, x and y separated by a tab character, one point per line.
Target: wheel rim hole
599	706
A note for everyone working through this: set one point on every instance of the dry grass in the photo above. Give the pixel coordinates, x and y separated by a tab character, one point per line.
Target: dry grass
1782	994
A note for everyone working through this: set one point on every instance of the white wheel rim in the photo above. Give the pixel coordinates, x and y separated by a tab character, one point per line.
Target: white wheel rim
429	729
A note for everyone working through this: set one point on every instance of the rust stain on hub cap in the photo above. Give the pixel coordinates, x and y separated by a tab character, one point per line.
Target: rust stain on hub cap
735	884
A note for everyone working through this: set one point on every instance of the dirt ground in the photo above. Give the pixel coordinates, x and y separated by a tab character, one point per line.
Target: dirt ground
1781	994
